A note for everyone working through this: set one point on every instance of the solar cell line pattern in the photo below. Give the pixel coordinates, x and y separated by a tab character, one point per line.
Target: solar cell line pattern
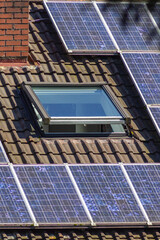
107	194
80	26
2	156
156	13
133	35
146	181
12	207
51	194
145	69
156	114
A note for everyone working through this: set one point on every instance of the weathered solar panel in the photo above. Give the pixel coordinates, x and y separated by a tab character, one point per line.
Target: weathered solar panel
145	69
51	194
80	27
3	156
146	181
107	193
131	31
156	14
12	207
155	111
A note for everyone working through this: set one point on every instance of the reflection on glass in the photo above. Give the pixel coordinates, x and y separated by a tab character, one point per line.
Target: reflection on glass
76	102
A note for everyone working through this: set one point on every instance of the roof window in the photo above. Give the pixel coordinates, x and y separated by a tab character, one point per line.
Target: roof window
75	109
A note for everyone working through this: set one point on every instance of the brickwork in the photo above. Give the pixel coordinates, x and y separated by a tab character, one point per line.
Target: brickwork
14	29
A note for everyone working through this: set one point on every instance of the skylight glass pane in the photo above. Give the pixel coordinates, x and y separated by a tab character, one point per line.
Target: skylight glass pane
76	102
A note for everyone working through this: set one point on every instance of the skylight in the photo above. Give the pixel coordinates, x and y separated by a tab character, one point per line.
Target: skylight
75	109
76	102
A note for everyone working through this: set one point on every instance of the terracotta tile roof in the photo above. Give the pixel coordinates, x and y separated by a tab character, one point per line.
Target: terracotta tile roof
98	234
24	144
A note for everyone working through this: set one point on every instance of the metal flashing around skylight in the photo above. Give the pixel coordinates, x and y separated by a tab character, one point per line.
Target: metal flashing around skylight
80	27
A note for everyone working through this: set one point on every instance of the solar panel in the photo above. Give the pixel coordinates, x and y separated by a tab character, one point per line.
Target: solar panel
145	69
107	193
134	34
12	207
80	27
155	111
146	181
3	156
156	14
51	195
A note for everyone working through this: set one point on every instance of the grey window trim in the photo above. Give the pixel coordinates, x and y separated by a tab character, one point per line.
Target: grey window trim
47	120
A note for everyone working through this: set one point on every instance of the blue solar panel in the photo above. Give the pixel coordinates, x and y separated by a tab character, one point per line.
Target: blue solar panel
12	207
156	14
80	26
3	156
134	35
107	193
145	69
51	194
156	114
146	181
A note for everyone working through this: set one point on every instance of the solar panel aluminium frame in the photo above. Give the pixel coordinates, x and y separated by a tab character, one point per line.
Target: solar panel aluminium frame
153	224
121	224
136	85
152	117
12	225
110	32
130	73
27	88
91	223
54	225
4	154
66	226
152	19
84	52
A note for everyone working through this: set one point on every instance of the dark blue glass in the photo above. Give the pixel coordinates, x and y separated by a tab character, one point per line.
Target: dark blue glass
156	114
146	181
133	35
107	193
52	197
12	206
145	69
81	20
2	155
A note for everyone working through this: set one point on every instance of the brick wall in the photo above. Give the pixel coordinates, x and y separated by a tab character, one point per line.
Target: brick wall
14	30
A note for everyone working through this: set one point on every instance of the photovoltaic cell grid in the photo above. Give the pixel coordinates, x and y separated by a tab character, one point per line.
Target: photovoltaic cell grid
156	13
80	26
12	207
146	181
145	69
156	114
107	194
51	194
133	34
2	156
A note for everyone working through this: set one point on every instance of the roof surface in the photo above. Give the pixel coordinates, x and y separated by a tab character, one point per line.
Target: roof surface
50	63
23	144
98	234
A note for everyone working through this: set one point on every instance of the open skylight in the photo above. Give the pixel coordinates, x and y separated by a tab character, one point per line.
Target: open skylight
75	109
